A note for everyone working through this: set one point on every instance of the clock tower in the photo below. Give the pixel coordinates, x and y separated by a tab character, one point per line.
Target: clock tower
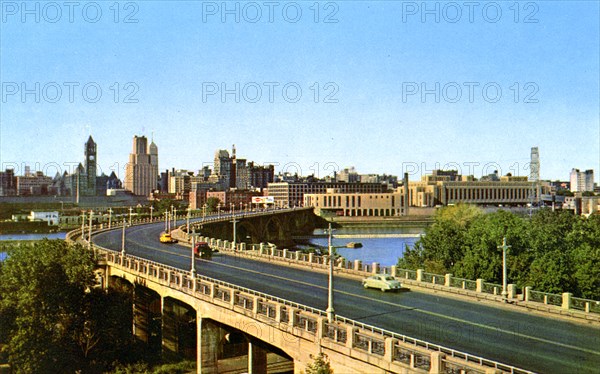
90	167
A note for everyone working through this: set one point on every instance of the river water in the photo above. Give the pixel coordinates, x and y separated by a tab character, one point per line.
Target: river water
382	245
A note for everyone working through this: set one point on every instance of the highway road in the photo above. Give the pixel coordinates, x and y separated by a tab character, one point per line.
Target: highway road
524	340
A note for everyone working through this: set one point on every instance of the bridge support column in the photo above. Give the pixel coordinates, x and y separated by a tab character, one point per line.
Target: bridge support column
388	356
375	269
357	264
350	336
479	285
566	300
512	291
208	336
437	366
257	359
447	278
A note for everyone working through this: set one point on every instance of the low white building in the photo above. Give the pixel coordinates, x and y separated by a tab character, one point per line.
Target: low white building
51	217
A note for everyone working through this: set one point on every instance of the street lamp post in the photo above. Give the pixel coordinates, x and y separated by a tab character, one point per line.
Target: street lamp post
82	224
166	219
109	218
90	230
123	238
174	218
193	270
504	248
188	220
130	210
234	232
151	209
330	311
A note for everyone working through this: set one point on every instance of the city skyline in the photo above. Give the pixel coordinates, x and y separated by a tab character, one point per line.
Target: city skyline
371	64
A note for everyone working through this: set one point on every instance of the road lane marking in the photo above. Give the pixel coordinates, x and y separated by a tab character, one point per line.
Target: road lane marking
434	314
439	315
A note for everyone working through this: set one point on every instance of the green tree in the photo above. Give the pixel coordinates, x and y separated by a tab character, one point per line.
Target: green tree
211	204
56	320
320	365
552	272
482	257
444	242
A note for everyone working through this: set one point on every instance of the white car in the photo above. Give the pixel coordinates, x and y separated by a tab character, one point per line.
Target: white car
382	281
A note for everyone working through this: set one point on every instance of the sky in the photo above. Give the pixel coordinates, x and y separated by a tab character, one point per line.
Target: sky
312	87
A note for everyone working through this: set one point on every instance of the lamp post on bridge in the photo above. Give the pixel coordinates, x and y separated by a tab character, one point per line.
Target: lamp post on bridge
234	233
130	210
174	218
90	231
151	209
193	269
504	248
189	210
330	310
82	224
109	218
123	238
166	220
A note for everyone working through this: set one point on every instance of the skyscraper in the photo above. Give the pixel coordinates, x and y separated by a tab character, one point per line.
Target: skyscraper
535	165
582	181
141	172
90	167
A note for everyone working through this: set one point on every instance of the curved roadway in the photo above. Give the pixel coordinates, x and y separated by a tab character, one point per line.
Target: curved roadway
527	341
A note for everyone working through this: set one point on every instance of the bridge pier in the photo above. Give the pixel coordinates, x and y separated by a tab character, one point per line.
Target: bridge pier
257	359
209	335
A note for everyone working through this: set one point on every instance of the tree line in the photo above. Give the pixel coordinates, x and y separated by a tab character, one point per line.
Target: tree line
550	251
54	318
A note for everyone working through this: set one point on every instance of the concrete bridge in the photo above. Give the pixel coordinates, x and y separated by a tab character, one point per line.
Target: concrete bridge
229	328
273	226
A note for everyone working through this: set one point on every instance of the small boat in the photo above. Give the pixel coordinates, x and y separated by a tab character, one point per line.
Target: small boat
354	245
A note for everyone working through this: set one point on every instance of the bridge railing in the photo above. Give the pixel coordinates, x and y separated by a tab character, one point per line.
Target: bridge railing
342	332
447	282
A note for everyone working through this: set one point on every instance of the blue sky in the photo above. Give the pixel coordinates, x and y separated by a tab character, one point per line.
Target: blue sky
527	74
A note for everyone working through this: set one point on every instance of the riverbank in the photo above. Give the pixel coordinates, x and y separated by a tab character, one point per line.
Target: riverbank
416	221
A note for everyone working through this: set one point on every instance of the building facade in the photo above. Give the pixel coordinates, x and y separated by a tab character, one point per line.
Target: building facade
333	202
141	172
290	194
448	189
582	181
8	183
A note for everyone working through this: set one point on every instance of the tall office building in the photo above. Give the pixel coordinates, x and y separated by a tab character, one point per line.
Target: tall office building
582	181
90	167
535	165
142	169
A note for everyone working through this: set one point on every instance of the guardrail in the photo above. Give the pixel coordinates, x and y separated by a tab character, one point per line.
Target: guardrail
563	304
342	333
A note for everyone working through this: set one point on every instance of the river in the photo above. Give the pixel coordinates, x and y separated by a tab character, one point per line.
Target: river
383	245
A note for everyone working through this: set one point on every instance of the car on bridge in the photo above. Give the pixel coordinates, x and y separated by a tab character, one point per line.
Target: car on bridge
167	238
203	250
383	282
